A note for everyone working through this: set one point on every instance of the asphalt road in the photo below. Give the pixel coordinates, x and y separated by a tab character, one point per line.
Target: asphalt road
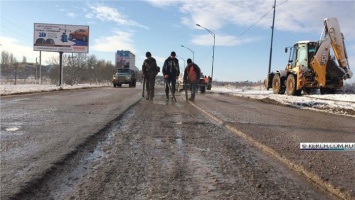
108	143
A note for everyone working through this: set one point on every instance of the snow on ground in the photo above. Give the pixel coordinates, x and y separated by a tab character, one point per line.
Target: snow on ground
30	88
343	104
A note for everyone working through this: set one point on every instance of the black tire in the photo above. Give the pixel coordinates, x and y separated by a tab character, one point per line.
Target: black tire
291	86
114	85
307	91
277	85
327	90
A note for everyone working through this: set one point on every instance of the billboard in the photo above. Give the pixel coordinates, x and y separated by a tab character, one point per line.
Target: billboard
61	38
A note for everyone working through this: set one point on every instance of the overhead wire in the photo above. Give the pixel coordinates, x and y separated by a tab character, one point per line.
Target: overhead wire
245	31
253	24
10	29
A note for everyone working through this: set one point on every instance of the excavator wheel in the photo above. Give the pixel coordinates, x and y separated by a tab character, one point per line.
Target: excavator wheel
327	91
307	91
291	86
277	86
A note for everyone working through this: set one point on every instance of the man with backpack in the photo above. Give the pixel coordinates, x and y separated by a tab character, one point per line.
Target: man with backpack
191	76
171	72
150	70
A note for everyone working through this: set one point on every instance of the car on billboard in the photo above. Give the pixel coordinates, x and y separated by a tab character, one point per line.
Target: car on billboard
80	34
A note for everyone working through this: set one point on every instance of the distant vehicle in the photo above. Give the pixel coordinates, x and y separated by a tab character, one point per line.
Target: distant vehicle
80	34
40	41
202	83
50	41
180	83
124	76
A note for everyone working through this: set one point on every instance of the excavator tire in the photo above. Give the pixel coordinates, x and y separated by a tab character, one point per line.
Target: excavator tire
291	86
327	91
277	86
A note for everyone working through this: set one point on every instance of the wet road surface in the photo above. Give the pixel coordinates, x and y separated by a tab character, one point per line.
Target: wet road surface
163	150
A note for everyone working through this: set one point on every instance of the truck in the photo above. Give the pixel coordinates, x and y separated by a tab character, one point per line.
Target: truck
126	70
203	83
311	66
124	76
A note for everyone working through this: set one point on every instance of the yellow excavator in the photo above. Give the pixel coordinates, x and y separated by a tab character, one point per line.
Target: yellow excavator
312	66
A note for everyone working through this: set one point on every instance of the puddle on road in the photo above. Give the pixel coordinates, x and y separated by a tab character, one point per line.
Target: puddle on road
158	141
12	129
179	140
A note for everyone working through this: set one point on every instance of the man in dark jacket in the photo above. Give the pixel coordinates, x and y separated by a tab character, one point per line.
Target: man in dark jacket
192	75
150	70
171	72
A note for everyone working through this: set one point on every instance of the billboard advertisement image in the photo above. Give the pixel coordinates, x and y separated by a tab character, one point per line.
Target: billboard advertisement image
125	59
61	38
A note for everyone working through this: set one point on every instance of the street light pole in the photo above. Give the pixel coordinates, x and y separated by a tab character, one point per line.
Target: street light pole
181	59
214	44
193	53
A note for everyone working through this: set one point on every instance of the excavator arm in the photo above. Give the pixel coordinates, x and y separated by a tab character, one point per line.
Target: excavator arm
331	37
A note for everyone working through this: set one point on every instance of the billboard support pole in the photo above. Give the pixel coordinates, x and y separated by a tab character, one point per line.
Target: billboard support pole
61	68
40	67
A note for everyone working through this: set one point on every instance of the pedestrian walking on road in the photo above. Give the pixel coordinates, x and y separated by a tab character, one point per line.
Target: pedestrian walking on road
191	76
150	70
171	72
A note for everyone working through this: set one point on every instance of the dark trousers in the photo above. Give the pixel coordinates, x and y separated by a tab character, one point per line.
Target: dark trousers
172	82
193	88
150	83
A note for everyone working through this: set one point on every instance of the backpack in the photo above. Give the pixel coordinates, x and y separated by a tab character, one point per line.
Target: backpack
191	74
152	67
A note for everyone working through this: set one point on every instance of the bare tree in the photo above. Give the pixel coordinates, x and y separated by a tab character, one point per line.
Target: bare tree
90	66
5	57
77	68
54	74
5	64
24	59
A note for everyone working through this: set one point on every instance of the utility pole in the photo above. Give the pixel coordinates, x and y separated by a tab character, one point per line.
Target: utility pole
272	36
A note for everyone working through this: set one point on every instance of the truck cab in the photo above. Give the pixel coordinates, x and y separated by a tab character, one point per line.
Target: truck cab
124	76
